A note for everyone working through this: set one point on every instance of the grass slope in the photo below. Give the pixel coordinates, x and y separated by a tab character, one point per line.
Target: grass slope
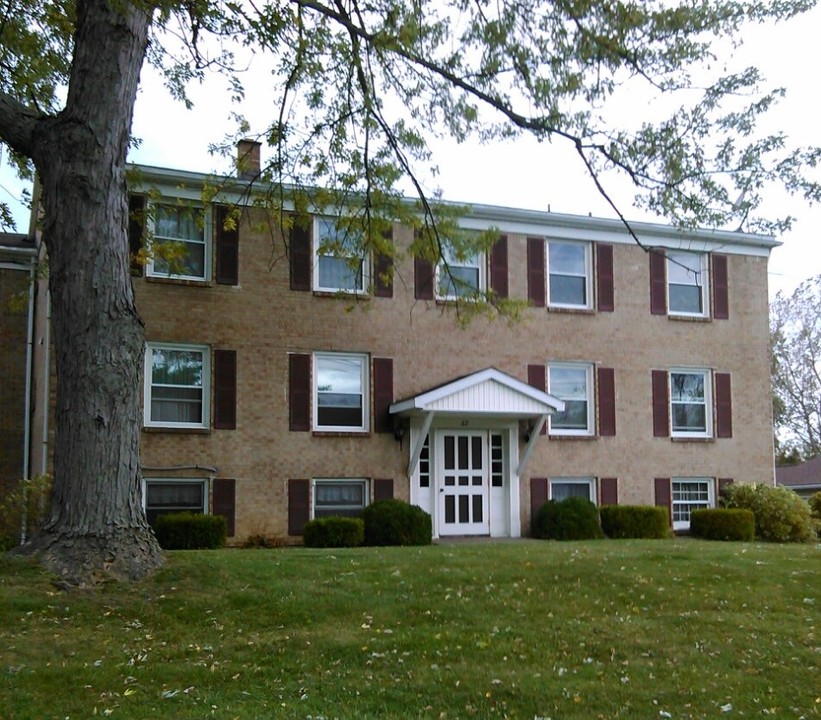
609	629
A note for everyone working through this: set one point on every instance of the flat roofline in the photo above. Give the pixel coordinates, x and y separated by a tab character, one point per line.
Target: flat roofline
522	220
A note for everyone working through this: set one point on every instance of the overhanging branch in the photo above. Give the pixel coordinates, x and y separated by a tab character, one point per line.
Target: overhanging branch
17	124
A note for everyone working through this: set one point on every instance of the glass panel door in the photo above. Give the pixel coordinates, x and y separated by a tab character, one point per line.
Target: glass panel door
463	481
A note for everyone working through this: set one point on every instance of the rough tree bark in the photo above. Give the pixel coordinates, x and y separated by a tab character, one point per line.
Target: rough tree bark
96	526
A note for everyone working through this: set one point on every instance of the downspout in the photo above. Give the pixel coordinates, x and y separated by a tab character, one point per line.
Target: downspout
46	378
27	411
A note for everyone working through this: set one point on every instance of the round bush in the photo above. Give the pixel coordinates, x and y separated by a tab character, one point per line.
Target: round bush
332	532
635	521
393	522
573	518
780	514
722	524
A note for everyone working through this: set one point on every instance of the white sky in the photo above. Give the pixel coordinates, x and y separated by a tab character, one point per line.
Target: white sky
522	174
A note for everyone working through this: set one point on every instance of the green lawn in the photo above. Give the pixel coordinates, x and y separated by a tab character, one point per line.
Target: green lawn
607	629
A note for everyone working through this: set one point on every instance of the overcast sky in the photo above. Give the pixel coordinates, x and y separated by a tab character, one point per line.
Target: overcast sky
524	173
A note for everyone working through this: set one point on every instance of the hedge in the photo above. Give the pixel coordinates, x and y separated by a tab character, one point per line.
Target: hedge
190	531
393	522
780	514
329	532
722	524
574	518
635	521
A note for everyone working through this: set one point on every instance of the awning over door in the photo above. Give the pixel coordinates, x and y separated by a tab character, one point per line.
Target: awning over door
489	393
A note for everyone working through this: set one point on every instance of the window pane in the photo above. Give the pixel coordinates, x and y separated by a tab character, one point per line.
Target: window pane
566	258
173	223
562	490
339	498
687	386
336	250
460	282
565	290
162	498
686	299
574	416
689	417
339	391
684	268
176	386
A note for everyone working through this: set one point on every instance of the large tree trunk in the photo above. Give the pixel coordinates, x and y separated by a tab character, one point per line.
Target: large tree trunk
96	526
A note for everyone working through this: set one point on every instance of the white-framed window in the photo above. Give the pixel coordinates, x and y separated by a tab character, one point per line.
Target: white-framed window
690	494
569	274
460	276
338	261
562	488
573	383
186	231
342	497
162	496
177	385
691	413
687	284
340	392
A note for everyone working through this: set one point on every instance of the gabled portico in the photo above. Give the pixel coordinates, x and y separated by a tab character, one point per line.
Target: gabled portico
464	461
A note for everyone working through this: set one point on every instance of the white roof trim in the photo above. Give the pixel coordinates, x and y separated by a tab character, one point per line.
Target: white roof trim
487	392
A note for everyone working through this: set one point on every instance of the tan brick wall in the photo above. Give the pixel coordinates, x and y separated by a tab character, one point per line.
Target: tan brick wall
263	320
13	326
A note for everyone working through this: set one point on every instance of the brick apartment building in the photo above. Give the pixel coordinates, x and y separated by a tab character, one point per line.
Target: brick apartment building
282	387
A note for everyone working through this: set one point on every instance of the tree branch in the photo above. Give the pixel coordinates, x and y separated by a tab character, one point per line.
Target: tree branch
17	124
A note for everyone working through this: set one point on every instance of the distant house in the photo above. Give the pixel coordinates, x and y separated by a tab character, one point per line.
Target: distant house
277	393
803	478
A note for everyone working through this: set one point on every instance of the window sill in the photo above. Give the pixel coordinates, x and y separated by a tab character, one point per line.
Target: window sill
571	310
341	433
689	318
692	439
178	281
176	430
342	294
554	436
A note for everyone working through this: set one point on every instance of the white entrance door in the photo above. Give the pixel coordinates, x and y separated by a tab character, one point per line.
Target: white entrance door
463	481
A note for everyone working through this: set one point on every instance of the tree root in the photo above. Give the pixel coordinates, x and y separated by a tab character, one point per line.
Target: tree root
86	560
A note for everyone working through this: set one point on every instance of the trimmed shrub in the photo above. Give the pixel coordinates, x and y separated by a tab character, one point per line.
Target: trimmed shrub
573	518
393	522
723	524
331	532
780	515
190	531
635	521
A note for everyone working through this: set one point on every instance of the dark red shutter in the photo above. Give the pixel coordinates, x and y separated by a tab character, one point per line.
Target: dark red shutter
299	251
225	492
422	279
299	392
609	491
604	277
136	225
723	484
227	249
383	272
724	406
721	295
607	402
661	409
535	272
537	378
299	508
498	268
658	282
663	496
383	489
382	394
225	389
538	497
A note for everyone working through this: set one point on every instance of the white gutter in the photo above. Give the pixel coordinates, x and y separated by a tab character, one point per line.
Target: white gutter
46	378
